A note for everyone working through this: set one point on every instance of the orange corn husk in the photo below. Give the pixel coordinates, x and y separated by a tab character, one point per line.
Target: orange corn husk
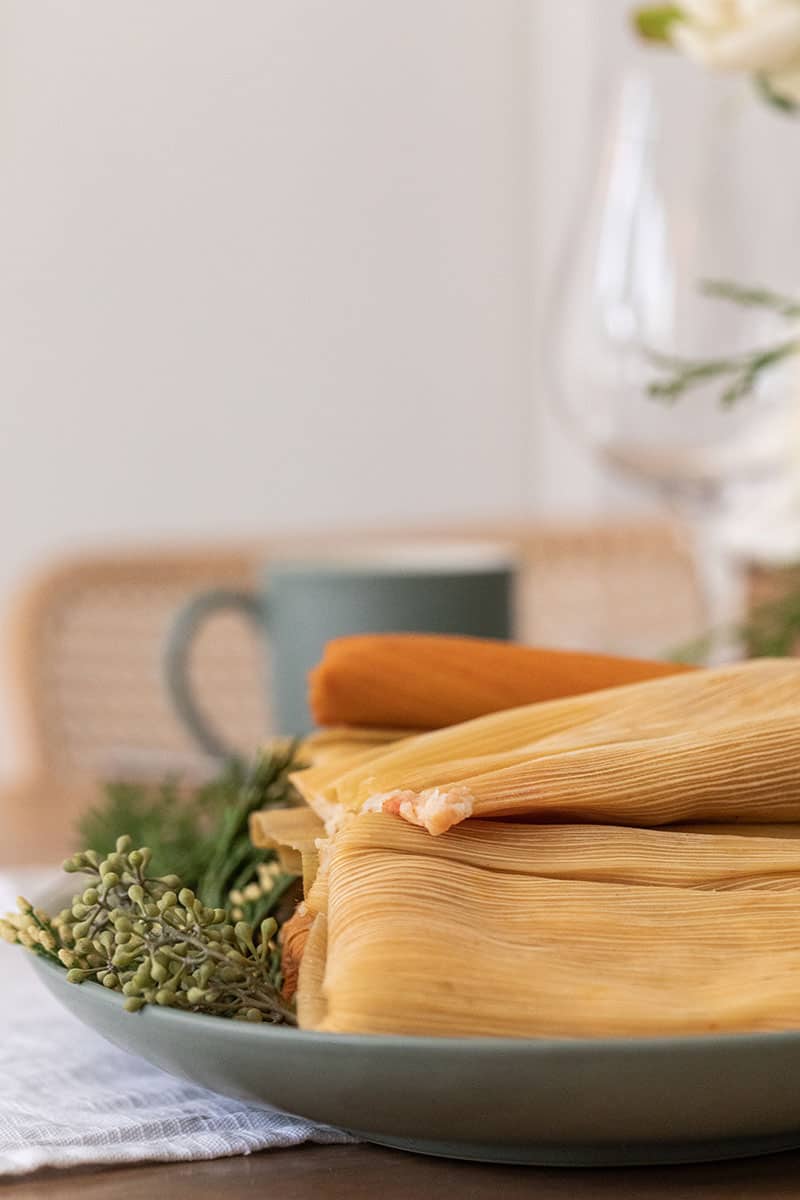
423	681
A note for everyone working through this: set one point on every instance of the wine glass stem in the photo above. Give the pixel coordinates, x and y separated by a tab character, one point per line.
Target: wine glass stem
722	582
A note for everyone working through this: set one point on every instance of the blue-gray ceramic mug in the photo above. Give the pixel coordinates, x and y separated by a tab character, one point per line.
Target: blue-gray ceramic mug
301	605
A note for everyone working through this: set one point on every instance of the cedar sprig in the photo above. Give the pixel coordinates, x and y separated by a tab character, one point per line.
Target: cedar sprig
201	834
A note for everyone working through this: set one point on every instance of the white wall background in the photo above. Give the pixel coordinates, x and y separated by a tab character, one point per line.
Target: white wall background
279	263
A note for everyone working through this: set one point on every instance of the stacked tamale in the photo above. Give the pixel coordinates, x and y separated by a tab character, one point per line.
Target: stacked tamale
601	864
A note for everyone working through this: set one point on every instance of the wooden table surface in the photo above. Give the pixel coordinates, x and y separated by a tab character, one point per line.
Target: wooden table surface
369	1173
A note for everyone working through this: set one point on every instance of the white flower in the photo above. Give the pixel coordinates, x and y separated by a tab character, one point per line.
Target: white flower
761	37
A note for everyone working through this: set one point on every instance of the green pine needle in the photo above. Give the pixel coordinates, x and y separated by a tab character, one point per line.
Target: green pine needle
768	92
771	631
752	297
739	374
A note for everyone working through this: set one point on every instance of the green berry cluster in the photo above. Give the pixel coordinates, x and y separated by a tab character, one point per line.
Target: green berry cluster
153	940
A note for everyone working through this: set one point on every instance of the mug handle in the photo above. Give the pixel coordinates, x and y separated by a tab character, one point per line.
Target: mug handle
177	652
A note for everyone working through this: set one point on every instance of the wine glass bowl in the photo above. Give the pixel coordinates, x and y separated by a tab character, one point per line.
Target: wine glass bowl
691	181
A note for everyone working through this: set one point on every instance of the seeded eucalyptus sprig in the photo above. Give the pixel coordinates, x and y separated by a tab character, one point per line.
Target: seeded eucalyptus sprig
153	940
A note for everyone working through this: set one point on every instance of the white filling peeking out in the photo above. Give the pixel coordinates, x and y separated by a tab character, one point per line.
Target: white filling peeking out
435	809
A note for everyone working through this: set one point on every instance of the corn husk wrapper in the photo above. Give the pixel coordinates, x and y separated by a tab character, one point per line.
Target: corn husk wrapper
340	743
742	829
293	833
591	853
460	936
720	746
293	940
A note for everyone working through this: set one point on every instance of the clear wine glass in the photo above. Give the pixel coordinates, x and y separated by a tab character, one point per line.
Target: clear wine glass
693	179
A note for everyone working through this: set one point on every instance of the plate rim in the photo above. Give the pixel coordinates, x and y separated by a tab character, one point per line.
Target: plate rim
399	1043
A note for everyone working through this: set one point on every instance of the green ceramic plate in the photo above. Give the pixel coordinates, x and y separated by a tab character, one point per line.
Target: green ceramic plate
552	1102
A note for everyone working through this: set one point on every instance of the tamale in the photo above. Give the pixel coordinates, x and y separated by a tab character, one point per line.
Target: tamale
293	939
293	833
341	742
592	853
414	939
741	829
425	681
310	997
719	745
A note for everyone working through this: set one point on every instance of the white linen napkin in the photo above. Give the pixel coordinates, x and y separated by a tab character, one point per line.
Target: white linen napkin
69	1098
